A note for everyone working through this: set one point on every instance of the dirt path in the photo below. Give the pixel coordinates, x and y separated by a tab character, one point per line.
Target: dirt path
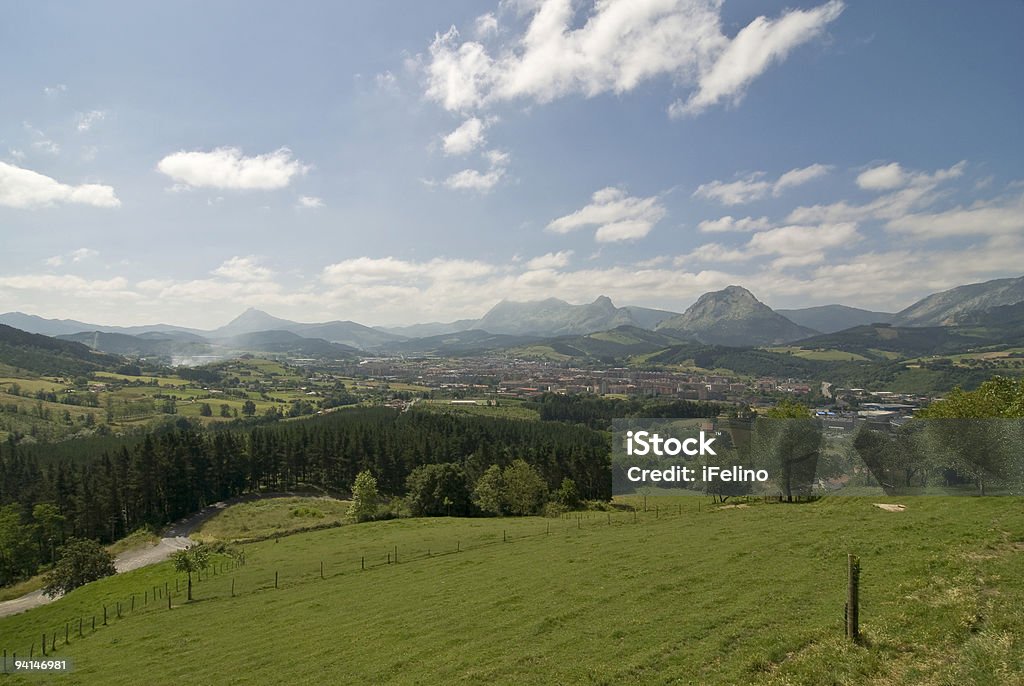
173	538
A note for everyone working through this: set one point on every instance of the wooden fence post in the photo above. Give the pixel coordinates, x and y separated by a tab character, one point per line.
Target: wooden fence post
321	570
44	643
168	601
852	597
275	579
362	563
104	615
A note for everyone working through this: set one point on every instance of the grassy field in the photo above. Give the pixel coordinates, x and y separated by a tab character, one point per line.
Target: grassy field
727	595
825	354
273	517
507	409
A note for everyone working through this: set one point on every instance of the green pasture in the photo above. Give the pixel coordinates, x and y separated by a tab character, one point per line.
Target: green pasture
273	517
721	596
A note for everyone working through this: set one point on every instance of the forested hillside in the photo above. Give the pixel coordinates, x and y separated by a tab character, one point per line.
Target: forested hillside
170	474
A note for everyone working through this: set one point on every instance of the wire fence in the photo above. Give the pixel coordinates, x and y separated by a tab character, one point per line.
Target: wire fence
172	592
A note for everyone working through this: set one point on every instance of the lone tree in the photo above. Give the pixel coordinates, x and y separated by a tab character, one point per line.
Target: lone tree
525	490
489	492
194	559
789	444
435	490
81	561
364	498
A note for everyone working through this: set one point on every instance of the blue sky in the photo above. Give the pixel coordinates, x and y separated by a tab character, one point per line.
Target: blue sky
392	162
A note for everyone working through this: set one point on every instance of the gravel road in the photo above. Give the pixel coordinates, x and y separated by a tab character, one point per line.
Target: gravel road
173	538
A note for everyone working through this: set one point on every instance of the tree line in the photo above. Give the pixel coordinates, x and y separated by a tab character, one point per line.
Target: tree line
107	491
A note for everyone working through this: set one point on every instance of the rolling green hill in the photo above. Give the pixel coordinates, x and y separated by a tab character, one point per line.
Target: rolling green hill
38	354
717	596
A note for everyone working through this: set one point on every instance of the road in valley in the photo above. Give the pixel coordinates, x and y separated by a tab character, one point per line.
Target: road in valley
173	538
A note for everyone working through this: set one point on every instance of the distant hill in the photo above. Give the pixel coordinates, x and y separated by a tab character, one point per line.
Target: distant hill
734	317
345	333
288	342
58	327
648	318
907	341
832	318
617	344
458	343
41	354
429	329
554	317
151	344
943	309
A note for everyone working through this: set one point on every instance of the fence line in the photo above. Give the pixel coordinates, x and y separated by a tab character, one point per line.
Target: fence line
365	563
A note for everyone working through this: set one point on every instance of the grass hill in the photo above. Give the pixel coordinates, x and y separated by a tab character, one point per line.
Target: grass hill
717	596
152	344
40	354
473	341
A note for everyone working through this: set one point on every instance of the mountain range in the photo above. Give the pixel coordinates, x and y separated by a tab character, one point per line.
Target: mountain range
732	316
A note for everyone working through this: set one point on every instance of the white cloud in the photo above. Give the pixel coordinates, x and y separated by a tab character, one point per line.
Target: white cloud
83	254
752	51
54	91
474	180
386	82
740	192
552	260
794	245
989	217
882	178
309	202
26	189
41	141
756	186
66	284
798	177
727	223
616	215
794	240
466	138
368	270
246	268
919	191
716	252
86	120
228	168
481	181
486	25
617	46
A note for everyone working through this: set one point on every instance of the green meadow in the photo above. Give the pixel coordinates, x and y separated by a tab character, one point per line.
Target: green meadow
738	594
